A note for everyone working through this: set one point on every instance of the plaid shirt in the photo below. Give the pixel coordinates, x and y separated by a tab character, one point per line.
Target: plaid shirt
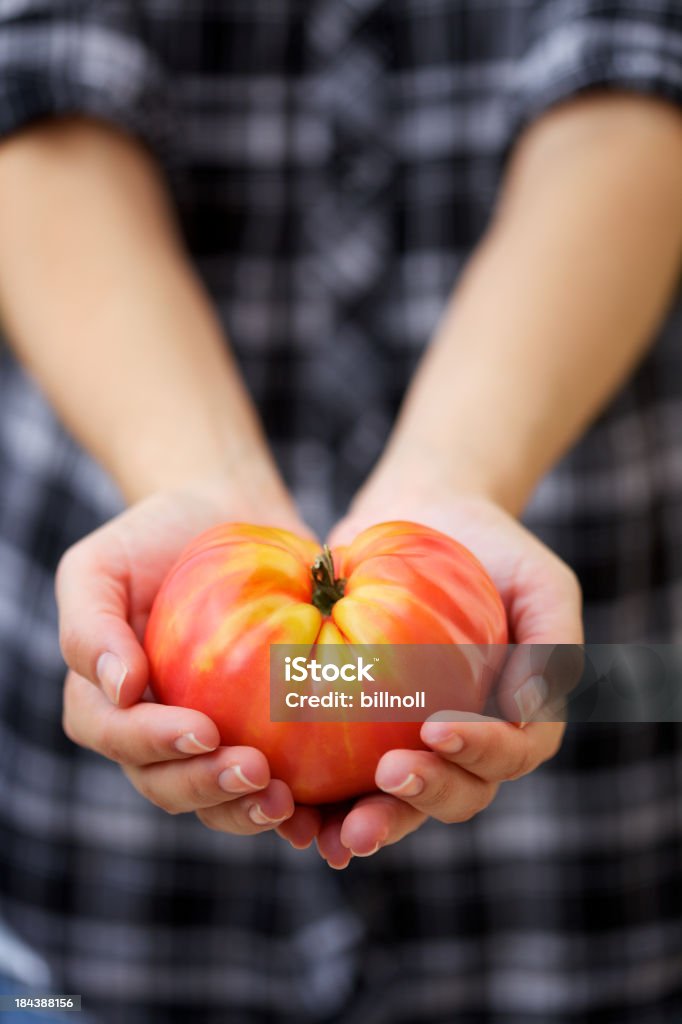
334	163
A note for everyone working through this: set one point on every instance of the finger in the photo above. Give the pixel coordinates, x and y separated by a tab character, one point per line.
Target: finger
251	814
302	827
493	750
545	612
536	680
181	786
433	785
329	842
94	634
377	821
545	603
142	734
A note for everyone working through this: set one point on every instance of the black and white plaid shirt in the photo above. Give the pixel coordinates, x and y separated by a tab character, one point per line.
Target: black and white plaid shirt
334	163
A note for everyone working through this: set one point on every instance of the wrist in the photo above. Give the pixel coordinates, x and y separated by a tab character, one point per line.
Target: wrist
424	471
243	482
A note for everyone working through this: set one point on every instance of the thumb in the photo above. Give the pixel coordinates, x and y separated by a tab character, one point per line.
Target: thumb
545	614
95	636
345	531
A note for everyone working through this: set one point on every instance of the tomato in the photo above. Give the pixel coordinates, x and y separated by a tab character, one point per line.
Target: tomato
238	588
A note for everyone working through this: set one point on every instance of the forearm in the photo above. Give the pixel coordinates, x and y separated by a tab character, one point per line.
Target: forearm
98	299
558	304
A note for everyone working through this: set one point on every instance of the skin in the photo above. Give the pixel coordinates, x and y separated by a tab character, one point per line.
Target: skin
106	585
503	390
471	758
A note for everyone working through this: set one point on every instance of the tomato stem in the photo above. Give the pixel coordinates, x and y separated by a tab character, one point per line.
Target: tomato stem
327	590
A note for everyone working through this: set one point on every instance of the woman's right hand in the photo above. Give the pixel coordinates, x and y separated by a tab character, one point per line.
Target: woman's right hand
106	584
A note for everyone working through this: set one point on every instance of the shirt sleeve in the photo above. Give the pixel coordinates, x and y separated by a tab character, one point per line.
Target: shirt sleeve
89	57
576	45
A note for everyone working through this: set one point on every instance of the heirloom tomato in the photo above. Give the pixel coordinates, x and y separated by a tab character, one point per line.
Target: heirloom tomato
237	588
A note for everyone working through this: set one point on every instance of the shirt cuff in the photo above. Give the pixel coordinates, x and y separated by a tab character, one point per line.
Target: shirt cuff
594	53
75	68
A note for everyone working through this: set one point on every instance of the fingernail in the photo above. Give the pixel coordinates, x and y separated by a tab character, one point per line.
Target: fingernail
233	780
300	846
441	734
370	853
111	673
410	785
189	744
259	817
531	697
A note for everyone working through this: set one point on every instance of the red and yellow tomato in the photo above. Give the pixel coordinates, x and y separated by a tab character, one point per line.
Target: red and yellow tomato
237	589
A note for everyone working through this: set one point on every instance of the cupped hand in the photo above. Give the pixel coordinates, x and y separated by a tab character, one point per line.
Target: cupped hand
106	584
467	759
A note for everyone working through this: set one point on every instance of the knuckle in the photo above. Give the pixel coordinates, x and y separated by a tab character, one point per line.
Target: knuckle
486	796
70	643
163	803
156	749
147	790
440	794
140	781
208	817
523	764
491	742
554	746
464	812
72	561
143	787
531	758
195	787
477	803
64	567
68	725
72	724
67	720
108	741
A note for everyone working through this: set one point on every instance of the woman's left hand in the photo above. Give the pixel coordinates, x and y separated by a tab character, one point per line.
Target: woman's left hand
460	773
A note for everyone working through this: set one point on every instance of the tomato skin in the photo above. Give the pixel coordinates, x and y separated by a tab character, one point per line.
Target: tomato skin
238	588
